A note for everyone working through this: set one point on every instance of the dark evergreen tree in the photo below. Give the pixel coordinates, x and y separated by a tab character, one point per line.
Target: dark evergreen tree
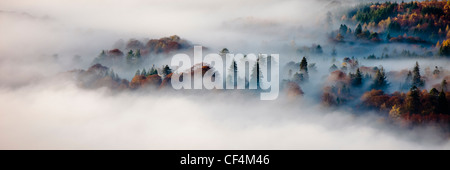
380	81
434	92
319	49
138	73
166	70
153	70
417	80
233	70
357	78
304	69
442	103
256	75
413	100
144	72
358	30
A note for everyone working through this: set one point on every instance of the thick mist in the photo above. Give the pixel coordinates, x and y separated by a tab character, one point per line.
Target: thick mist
62	116
42	109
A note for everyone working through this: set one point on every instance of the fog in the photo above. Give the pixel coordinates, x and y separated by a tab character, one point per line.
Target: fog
39	109
62	116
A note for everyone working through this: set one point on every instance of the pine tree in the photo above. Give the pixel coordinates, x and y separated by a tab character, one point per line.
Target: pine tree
144	72
166	70
380	82
442	103
256	76
319	49
153	70
358	30
304	69
138	54
138	73
434	92
333	68
416	80
304	65
357	80
100	58
413	100
233	70
102	55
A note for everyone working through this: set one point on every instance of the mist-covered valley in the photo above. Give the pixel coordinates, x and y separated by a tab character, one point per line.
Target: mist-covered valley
352	76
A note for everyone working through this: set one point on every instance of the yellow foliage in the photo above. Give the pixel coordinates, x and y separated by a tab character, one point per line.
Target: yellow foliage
446	43
395	112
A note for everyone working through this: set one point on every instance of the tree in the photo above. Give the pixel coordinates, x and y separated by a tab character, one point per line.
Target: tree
333	68
102	55
130	57
153	70
444	50
256	75
357	78
358	30
166	70
233	71
343	29
434	92
413	100
304	65
144	72
304	69
388	36
380	82
138	54
442	103
319	49
408	80
416	80
138	73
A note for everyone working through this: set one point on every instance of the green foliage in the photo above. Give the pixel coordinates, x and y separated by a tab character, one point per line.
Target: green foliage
380	82
356	78
413	100
166	70
416	79
138	73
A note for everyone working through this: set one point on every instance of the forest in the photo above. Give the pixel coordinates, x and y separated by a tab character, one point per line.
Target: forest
416	95
352	74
